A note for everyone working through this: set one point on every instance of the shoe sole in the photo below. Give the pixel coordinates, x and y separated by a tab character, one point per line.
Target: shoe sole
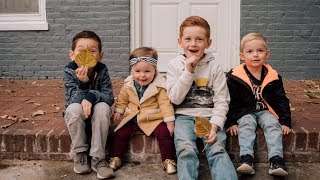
278	172
245	169
85	172
99	176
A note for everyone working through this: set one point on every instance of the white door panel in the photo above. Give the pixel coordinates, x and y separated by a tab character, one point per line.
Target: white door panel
158	21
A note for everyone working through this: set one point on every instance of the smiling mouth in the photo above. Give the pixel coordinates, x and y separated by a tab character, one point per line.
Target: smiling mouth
193	50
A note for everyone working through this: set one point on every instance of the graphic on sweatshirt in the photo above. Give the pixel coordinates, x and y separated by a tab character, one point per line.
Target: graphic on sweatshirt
199	95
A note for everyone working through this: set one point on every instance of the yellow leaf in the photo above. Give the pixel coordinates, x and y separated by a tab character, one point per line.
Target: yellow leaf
85	58
4	116
202	126
38	113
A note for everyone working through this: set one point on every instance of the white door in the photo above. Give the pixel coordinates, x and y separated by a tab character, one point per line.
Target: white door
156	23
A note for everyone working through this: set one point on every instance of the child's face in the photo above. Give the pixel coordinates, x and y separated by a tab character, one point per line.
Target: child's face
194	41
254	53
143	73
84	43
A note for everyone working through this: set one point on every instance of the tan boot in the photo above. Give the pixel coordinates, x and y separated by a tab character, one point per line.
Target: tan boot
115	163
170	166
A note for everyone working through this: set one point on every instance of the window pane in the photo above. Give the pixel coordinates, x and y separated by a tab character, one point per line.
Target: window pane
19	6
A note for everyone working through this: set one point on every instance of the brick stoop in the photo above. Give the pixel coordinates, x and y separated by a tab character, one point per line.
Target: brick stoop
46	137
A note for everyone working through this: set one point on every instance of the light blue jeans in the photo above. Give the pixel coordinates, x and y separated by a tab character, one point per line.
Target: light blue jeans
100	122
219	161
271	129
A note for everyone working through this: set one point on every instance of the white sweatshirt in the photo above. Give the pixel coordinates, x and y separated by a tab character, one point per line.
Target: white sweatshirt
203	93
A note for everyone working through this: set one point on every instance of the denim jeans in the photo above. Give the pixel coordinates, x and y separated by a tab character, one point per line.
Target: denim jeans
100	122
219	161
271	129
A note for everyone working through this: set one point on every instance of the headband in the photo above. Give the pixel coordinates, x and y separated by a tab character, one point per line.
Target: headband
150	60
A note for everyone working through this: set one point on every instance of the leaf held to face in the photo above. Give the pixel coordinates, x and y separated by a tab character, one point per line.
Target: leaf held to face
202	126
85	58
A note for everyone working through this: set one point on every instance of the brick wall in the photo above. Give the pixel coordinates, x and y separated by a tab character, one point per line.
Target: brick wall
293	31
43	54
292	28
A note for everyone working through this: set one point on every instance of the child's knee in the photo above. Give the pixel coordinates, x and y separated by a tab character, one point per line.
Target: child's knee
73	113
102	107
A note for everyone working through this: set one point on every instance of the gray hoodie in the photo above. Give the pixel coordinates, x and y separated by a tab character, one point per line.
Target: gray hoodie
203	93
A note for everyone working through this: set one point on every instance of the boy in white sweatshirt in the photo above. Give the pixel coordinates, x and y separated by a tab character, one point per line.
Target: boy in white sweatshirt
197	87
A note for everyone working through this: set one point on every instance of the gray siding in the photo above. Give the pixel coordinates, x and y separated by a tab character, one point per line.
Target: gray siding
44	54
292	28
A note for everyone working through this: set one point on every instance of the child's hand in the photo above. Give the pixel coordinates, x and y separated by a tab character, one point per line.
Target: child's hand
285	129
82	74
212	137
170	126
116	117
192	63
86	107
233	130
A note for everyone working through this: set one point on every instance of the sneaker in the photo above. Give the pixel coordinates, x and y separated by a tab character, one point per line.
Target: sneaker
100	166
246	166
170	166
115	163
81	165
277	166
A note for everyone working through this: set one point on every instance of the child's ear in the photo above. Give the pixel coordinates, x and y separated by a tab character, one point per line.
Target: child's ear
71	53
268	54
179	42
241	56
101	56
209	43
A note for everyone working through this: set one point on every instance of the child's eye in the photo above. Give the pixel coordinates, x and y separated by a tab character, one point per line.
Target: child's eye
260	50
249	51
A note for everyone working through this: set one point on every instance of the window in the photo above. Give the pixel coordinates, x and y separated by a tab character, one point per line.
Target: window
23	15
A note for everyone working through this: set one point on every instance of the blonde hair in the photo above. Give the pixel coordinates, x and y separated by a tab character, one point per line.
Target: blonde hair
253	36
195	21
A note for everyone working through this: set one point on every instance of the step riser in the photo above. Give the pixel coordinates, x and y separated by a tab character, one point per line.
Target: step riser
55	145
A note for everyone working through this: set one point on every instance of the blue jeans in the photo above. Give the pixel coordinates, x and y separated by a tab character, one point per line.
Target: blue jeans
100	122
271	129
219	161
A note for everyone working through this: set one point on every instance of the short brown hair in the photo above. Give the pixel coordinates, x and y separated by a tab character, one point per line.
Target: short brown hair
144	51
252	36
86	35
195	21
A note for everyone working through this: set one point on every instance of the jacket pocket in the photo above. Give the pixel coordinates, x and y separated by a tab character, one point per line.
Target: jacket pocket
153	114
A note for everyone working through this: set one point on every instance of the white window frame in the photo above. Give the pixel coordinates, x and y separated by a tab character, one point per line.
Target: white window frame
15	22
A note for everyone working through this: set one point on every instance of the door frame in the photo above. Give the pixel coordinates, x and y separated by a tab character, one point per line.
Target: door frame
136	28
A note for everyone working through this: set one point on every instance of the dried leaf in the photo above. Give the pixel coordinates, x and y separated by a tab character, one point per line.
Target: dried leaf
312	102
13	118
24	119
202	126
29	102
37	104
4	116
57	109
85	58
34	82
8	125
38	113
10	91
